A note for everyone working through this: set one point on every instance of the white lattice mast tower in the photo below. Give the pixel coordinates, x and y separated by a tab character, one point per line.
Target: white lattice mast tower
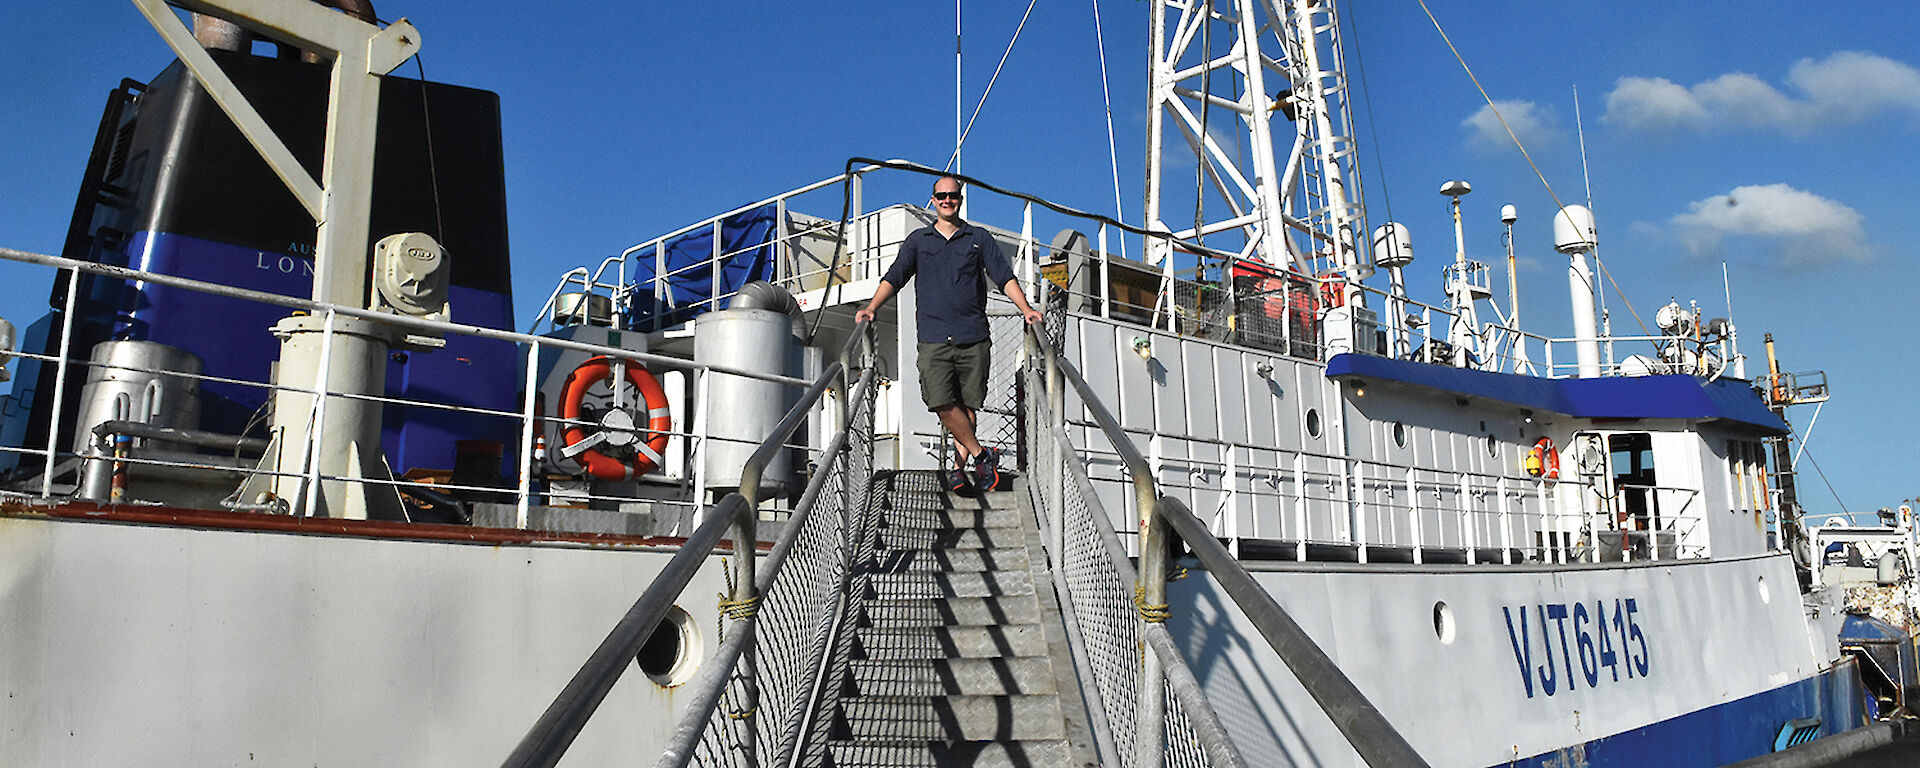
1281	76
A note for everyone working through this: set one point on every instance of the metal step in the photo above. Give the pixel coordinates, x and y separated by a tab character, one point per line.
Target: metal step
951	560
950	718
950	664
956	611
953	677
948	518
942	585
958	642
982	754
964	538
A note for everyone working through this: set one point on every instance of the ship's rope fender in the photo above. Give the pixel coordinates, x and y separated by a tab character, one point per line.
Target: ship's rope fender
1542	460
647	453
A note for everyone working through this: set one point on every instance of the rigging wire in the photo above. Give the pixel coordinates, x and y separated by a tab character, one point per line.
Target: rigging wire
1823	479
1113	155
1525	154
433	171
990	81
1366	95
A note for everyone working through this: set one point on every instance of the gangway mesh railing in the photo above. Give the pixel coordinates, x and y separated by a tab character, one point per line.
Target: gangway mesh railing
1116	611
1097	583
801	629
756	699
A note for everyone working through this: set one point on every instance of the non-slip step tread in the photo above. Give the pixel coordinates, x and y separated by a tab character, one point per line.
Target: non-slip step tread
1050	753
967	584
952	718
953	677
956	560
953	611
1012	641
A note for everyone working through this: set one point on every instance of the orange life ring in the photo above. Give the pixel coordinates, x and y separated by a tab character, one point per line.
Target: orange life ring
647	452
1542	460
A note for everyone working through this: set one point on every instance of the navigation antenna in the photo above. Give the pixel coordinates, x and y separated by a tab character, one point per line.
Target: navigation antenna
1301	214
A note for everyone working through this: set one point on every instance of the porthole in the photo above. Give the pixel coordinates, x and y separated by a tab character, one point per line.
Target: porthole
1313	423
1493	446
672	652
1399	434
1766	594
1443	623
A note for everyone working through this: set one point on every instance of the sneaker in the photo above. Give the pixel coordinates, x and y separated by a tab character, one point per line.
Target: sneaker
986	469
987	456
958	480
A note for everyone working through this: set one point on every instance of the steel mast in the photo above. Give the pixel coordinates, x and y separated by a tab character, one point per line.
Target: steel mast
1278	74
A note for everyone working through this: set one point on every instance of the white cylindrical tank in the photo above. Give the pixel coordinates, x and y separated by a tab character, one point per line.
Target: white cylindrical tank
139	381
741	412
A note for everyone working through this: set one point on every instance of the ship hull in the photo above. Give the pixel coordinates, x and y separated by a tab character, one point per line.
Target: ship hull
1479	666
209	644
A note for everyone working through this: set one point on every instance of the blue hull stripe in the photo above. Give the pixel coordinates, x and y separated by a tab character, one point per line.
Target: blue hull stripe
1726	733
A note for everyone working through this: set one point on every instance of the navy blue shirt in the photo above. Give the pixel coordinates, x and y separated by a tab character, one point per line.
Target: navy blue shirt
953	297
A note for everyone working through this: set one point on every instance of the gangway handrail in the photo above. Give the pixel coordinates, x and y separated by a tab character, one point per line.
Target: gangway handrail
708	688
1370	733
1365	728
547	741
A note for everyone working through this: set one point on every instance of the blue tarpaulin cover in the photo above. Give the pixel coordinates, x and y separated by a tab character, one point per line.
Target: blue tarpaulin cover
746	247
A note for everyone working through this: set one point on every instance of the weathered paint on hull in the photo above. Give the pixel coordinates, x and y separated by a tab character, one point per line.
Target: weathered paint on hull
176	646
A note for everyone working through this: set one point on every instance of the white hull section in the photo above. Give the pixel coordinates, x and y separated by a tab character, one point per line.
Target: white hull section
170	646
1698	634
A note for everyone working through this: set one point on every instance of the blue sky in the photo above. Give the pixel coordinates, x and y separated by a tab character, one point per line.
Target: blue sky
1774	138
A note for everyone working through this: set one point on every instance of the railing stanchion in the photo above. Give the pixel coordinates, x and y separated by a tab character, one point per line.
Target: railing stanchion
527	468
1150	596
60	380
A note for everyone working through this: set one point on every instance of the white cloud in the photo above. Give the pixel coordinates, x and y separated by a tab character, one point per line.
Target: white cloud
1654	103
1797	227
1845	88
1535	126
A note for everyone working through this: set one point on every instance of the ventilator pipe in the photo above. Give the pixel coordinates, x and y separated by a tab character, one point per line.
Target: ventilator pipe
761	294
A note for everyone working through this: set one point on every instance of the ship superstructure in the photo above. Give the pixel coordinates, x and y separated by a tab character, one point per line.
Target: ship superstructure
282	427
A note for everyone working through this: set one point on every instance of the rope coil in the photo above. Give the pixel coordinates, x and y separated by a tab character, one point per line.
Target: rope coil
738	610
1152	614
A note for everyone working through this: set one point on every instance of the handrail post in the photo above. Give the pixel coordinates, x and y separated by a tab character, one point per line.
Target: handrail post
1150	595
1057	421
741	604
60	380
527	438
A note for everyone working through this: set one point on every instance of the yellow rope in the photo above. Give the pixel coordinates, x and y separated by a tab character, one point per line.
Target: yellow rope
742	714
1179	572
1152	614
738	610
1523	153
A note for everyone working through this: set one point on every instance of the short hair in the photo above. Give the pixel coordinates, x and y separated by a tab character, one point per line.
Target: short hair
955	179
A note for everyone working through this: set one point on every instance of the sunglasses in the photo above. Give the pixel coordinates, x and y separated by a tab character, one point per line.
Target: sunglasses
946	195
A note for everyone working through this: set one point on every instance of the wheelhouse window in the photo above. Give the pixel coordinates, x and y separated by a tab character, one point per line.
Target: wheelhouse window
1634	480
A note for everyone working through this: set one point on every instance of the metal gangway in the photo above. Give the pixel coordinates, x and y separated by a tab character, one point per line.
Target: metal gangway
767	695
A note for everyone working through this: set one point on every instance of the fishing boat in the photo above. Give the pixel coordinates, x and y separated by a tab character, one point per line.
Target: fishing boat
285	480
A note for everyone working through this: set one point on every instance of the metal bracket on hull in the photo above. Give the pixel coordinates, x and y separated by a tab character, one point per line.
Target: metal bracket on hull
341	200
